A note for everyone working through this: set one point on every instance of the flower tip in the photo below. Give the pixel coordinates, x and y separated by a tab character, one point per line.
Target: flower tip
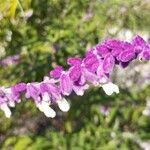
49	113
6	110
80	93
110	88
8	114
116	89
63	105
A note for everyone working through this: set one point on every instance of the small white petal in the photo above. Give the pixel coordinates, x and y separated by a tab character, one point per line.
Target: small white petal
110	88
12	104
6	110
44	107
40	107
46	79
80	92
63	105
46	97
65	93
49	112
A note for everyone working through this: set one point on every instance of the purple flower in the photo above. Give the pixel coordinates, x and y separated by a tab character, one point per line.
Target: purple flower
81	71
75	69
56	73
111	44
17	90
108	63
102	49
94	68
145	54
33	91
75	73
10	60
74	61
91	62
127	56
105	110
65	84
90	77
116	51
138	41
52	90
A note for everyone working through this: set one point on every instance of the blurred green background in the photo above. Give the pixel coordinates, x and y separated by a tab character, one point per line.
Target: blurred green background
44	33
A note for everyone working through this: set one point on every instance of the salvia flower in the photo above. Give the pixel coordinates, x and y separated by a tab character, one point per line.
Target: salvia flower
94	69
6	101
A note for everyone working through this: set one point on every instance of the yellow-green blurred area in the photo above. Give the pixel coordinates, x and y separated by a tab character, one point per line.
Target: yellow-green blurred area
44	33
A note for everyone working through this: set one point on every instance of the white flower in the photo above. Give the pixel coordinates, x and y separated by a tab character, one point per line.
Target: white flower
6	110
63	105
110	88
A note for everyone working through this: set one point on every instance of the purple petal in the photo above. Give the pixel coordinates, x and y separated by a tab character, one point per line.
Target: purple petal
146	55
56	73
16	91
102	50
127	46
82	80
33	91
138	49
19	87
73	61
65	84
108	63
127	55
89	76
51	89
91	63
102	77
89	52
111	43
138	41
75	73
116	51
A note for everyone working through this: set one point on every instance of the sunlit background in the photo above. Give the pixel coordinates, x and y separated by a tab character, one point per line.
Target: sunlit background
35	35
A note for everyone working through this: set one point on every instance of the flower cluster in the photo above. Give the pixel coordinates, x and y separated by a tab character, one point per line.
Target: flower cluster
94	69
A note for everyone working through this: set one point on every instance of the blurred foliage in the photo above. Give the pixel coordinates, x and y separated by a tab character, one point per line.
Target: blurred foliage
45	33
